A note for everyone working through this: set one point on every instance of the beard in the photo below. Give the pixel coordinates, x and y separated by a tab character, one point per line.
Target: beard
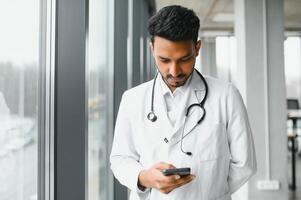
177	81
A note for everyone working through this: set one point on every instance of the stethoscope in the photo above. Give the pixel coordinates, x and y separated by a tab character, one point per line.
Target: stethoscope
153	117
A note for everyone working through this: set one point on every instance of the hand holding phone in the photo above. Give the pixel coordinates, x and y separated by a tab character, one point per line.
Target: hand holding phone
164	177
177	171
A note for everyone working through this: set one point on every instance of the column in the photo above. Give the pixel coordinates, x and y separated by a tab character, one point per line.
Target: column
259	31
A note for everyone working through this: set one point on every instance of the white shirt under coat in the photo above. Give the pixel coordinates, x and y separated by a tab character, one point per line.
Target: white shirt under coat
223	155
173	100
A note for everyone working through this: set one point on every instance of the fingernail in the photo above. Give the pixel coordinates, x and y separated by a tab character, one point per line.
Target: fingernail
178	177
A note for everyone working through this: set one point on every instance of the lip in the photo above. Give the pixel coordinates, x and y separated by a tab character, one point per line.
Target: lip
177	79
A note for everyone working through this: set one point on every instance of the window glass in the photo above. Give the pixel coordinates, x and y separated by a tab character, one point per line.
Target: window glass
19	75
292	60
226	57
98	103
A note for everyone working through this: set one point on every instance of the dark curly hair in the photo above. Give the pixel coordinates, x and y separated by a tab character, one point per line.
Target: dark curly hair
174	23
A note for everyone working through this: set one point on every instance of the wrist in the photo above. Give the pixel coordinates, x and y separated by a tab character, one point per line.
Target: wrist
141	180
141	187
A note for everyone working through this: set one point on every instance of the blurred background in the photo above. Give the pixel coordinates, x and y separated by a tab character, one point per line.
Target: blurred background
65	64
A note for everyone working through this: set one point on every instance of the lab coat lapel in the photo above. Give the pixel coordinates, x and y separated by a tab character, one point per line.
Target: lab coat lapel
160	108
195	95
159	130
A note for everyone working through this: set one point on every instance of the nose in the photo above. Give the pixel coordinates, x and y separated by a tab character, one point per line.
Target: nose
174	69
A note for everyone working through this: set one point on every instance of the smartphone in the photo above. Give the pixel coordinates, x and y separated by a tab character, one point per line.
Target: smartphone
177	171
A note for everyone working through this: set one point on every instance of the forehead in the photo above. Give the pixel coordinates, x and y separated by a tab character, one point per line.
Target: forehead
168	48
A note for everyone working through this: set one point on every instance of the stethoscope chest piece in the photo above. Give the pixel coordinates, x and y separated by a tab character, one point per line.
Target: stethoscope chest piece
152	117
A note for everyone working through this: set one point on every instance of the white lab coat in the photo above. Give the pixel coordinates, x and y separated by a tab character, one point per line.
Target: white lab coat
223	156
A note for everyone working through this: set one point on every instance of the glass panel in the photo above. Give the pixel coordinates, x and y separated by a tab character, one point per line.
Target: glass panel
226	57
292	60
19	74
292	64
98	71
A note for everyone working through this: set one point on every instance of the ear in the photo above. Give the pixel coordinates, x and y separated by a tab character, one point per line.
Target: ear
151	46
198	46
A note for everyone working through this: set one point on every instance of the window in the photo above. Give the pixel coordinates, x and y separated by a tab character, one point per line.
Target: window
19	75
226	57
100	101
292	61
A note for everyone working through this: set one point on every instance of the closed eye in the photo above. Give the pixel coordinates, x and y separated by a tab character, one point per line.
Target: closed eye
164	60
186	58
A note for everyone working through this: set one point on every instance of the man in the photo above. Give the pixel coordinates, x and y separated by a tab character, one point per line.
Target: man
181	119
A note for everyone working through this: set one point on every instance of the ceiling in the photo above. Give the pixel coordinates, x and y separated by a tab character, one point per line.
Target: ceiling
217	15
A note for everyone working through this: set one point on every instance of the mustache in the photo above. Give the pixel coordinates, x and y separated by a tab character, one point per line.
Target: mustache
169	76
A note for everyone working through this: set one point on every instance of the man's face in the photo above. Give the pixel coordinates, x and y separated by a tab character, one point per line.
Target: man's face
175	60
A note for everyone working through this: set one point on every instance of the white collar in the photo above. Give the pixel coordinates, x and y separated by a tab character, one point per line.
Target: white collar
165	89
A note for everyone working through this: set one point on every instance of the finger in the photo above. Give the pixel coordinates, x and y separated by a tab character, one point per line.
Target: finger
170	187
171	183
172	179
163	165
166	191
184	180
167	181
178	181
163	186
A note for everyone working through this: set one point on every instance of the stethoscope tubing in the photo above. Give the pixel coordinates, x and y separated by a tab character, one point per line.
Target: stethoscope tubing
152	116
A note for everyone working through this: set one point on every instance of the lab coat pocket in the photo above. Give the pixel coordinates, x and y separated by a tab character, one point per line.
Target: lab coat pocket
213	144
213	163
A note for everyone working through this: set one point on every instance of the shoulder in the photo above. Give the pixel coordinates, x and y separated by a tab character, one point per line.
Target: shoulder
138	91
223	89
218	85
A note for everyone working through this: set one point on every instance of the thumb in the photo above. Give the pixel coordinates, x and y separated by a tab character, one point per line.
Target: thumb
163	165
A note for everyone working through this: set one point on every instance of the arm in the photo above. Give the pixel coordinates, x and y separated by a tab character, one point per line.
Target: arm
124	157
243	161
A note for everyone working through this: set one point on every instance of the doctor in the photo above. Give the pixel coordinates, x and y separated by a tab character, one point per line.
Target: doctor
181	119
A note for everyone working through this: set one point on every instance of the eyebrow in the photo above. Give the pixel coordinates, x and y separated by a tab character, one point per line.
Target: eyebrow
183	57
